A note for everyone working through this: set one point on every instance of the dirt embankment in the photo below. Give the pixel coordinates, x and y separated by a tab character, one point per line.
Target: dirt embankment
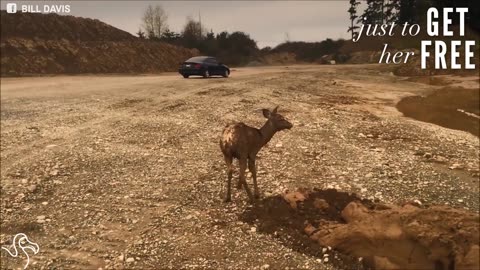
79	45
384	236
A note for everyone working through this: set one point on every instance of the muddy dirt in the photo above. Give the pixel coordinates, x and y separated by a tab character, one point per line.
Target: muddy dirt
126	172
456	108
382	236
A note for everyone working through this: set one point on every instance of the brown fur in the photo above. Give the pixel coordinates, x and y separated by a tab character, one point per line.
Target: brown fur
244	142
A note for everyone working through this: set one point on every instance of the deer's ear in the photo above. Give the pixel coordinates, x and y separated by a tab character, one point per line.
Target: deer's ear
275	110
266	113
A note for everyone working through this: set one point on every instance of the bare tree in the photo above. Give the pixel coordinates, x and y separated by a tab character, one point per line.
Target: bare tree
148	21
160	21
287	37
155	21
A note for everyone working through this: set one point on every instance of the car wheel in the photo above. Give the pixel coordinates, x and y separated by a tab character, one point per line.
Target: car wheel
226	73
206	74
185	76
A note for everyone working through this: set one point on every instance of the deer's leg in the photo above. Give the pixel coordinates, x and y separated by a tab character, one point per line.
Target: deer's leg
228	161
239	182
253	169
243	167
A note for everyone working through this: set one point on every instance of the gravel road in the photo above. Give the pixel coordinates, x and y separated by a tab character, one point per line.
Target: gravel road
126	172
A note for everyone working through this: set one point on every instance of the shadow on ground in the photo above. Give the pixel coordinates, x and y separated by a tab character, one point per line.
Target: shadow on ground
286	222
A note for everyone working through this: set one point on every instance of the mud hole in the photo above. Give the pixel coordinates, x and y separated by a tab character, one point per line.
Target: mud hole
455	108
369	235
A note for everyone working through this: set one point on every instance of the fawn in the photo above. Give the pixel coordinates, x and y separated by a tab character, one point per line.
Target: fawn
243	142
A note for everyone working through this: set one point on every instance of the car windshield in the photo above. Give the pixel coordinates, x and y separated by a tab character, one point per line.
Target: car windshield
197	59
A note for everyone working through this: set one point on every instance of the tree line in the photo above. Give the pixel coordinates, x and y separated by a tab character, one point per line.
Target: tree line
238	48
235	48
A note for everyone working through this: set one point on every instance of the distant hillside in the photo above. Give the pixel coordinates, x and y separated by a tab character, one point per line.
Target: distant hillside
309	51
53	44
367	50
397	41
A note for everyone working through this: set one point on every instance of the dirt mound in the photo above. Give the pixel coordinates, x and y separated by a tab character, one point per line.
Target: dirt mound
386	236
26	56
79	45
35	25
455	108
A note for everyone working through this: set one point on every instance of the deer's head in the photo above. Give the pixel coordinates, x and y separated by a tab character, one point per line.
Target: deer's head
278	121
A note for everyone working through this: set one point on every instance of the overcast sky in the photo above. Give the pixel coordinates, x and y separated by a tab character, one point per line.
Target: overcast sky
268	22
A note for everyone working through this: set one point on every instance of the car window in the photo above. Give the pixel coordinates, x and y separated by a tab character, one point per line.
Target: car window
212	61
197	59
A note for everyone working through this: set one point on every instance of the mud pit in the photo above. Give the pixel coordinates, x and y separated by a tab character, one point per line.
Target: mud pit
456	108
384	236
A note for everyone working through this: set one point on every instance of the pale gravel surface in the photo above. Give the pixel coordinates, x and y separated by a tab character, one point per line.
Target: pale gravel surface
128	173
